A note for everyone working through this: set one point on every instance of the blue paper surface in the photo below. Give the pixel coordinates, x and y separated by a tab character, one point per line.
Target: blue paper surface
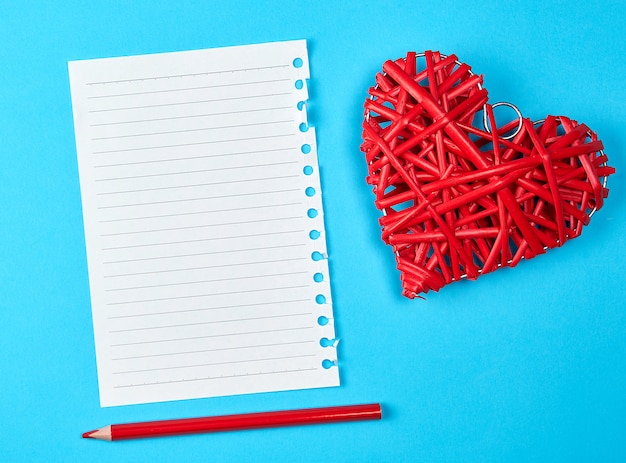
525	364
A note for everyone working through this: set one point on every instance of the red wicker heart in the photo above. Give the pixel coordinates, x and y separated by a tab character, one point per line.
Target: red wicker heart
460	201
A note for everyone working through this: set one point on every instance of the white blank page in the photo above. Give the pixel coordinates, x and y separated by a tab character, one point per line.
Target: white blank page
203	223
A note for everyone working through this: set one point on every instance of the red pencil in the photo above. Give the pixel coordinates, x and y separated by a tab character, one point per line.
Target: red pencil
116	432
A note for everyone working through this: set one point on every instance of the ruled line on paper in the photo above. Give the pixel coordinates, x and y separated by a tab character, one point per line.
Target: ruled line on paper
191	116
167	243
154	341
221	71
195	185
191	296
204	309
163	105
193	227
201	129
291	148
209	211
189	88
221	349
204	281
178	145
205	253
198	199
197	231
152	272
298	370
264	359
165	174
211	322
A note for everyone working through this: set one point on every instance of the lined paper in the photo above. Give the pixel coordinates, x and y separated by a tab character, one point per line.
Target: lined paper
203	223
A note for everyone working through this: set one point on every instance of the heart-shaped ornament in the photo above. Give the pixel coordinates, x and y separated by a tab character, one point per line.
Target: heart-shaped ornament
460	200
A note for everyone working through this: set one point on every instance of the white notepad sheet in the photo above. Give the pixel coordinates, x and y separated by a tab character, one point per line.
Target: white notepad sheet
203	223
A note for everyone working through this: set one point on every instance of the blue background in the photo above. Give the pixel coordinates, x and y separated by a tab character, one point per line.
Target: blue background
525	364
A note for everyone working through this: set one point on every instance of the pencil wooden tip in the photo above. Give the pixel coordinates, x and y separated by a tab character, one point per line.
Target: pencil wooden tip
100	434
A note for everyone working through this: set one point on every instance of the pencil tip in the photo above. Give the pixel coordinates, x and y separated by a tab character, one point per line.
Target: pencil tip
88	434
